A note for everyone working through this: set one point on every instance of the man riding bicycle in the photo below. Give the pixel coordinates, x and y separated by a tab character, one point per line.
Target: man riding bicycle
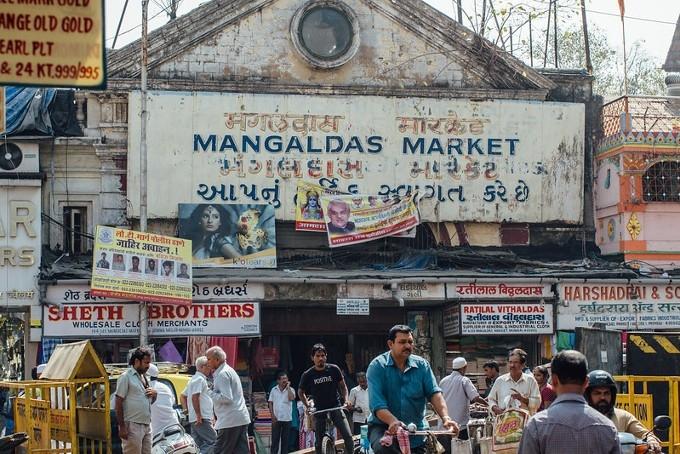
400	385
601	395
325	384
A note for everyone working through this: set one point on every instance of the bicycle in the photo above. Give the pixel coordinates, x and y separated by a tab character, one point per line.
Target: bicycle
328	440
431	436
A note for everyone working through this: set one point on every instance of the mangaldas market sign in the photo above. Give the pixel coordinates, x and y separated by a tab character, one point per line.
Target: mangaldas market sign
511	318
487	161
112	320
621	306
19	244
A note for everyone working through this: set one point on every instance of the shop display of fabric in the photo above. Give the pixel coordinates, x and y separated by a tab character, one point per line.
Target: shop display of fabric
197	346
306	434
47	348
565	340
229	345
168	352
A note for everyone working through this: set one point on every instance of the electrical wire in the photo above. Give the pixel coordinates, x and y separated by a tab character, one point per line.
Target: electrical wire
165	10
68	229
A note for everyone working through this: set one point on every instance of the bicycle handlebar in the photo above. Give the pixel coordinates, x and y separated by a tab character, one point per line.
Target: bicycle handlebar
317	412
413	430
448	433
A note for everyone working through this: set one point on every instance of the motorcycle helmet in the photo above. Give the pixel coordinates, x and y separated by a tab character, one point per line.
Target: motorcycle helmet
601	378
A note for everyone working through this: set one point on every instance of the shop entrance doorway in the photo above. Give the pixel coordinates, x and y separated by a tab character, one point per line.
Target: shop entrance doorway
11	347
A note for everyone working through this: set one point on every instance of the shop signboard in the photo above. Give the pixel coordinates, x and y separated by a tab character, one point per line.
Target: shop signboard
141	266
618	306
353	219
480	161
56	43
229	235
233	291
506	318
113	320
20	242
353	306
451	322
409	291
506	290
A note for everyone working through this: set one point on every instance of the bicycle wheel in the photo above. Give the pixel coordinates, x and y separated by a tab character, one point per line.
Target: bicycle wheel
327	445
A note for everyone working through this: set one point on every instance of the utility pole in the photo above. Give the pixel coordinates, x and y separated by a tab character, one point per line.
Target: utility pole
143	313
547	35
531	44
555	35
460	11
173	9
586	39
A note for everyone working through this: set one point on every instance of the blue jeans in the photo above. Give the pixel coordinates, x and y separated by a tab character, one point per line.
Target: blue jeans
340	422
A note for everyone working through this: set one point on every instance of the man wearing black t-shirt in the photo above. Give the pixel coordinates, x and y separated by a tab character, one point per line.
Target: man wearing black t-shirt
324	383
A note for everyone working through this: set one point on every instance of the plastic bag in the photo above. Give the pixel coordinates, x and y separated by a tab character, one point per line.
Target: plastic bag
507	430
461	446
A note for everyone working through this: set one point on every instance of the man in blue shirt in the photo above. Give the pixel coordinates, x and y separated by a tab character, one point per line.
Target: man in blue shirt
401	384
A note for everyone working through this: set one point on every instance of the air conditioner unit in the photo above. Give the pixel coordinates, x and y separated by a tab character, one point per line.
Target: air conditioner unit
18	157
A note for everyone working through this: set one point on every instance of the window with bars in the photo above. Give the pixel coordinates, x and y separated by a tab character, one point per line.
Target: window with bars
661	182
75	223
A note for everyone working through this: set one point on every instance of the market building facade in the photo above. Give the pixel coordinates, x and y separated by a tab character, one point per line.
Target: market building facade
388	99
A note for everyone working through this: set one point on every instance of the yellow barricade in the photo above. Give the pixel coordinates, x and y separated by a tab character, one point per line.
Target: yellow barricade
67	411
636	397
641	405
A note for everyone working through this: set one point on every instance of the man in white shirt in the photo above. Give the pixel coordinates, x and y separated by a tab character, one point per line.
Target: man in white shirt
200	407
458	392
358	403
515	389
229	405
281	399
163	409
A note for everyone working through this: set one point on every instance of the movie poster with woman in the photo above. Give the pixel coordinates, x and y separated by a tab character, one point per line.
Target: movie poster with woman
229	235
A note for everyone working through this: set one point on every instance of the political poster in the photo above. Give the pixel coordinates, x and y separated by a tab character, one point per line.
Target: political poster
352	219
141	266
308	211
229	235
309	214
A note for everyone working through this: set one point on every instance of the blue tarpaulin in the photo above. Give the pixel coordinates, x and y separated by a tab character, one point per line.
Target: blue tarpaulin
28	110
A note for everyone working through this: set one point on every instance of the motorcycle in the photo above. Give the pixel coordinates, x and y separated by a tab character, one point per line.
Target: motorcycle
173	440
631	445
8	443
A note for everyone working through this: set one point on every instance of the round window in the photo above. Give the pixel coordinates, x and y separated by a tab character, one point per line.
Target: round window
325	33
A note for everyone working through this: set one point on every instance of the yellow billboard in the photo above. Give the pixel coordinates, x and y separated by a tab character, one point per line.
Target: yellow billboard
58	43
141	266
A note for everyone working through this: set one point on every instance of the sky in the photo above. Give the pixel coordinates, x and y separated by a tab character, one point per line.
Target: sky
650	21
